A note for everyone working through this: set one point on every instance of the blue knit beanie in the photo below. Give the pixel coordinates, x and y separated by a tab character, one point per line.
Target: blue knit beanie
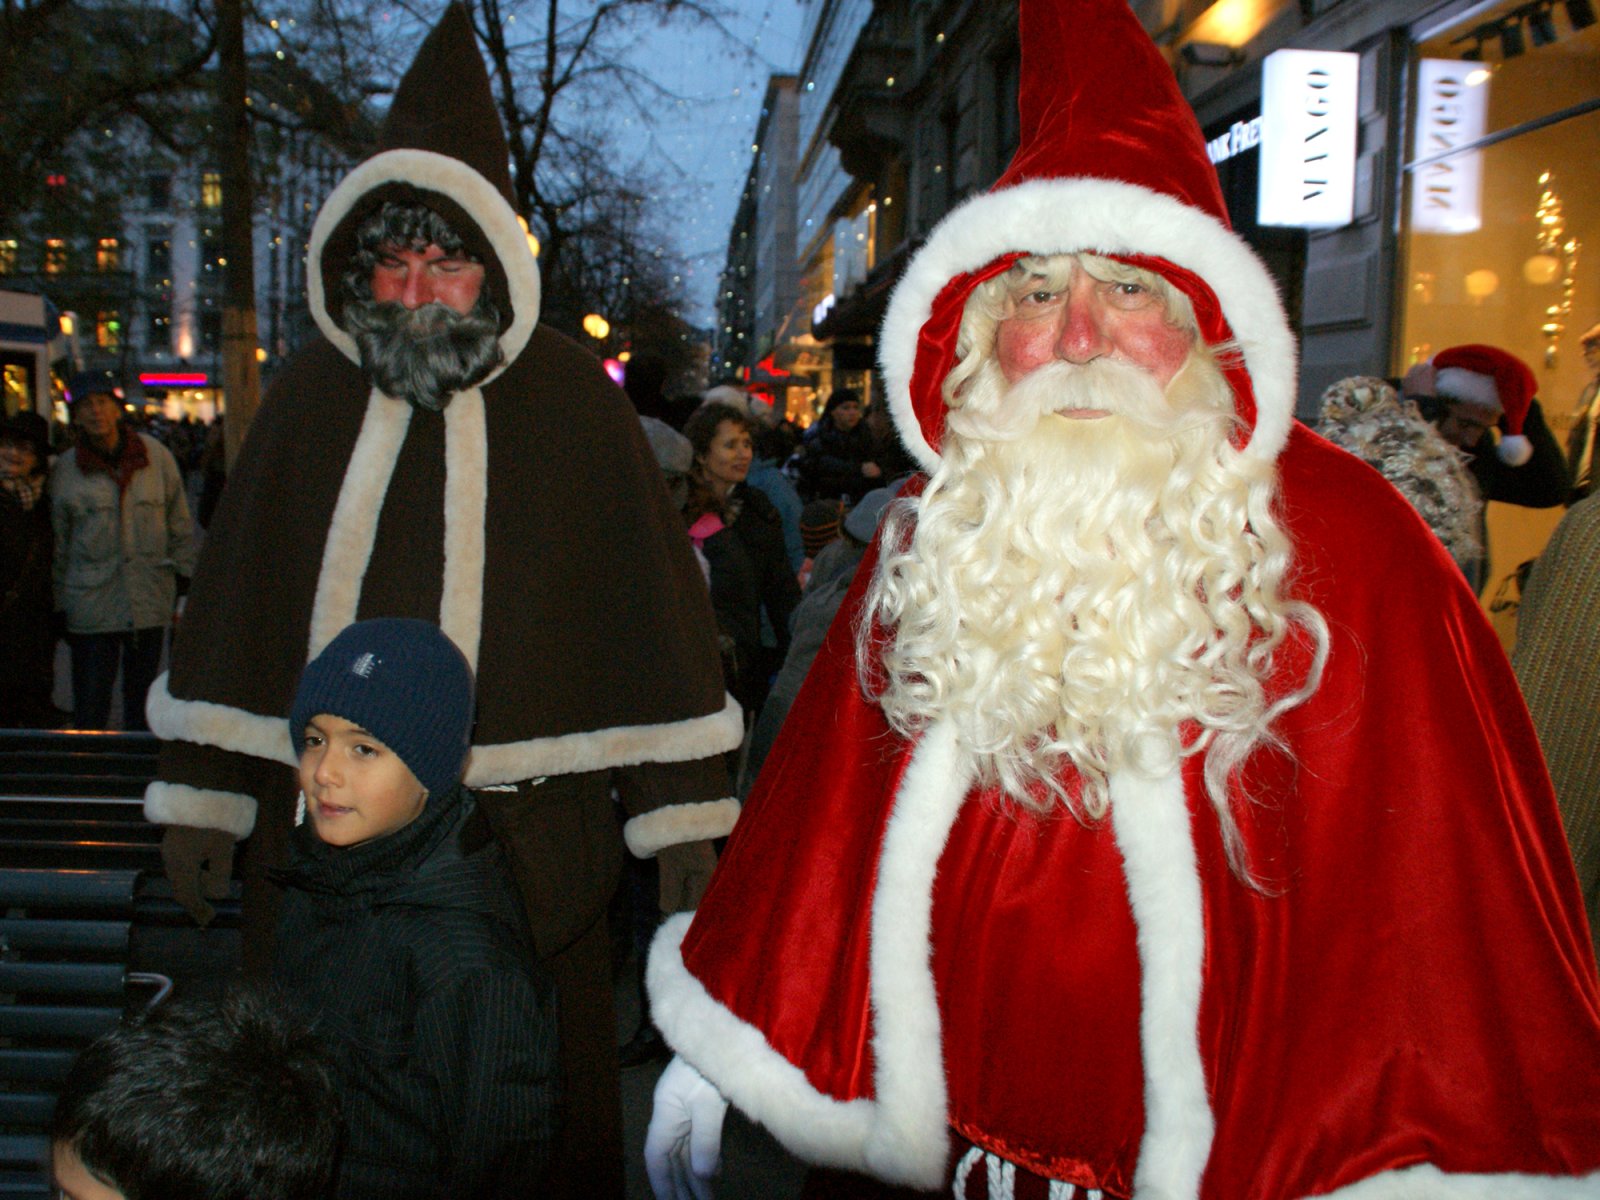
404	682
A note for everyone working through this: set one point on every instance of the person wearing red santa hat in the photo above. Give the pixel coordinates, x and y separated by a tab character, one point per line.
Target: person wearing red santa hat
1160	817
1469	392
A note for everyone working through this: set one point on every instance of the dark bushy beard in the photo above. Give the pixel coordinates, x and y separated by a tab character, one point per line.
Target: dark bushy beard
424	355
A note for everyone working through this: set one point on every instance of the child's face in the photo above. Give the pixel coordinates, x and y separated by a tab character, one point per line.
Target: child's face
356	788
73	1180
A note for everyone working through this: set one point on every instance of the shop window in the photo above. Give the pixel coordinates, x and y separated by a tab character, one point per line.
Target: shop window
1502	213
55	256
108	254
8	256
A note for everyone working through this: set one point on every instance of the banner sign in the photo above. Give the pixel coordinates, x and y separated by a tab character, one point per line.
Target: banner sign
1451	112
1308	138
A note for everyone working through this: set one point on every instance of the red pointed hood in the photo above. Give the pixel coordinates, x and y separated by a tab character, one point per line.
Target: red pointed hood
1111	161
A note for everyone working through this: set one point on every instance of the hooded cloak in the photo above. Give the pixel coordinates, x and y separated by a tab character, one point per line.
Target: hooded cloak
528	519
1405	1006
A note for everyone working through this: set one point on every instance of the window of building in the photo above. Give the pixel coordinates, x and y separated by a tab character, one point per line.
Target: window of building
55	256
210	254
158	256
108	254
158	330
158	192
211	190
8	255
211	330
108	330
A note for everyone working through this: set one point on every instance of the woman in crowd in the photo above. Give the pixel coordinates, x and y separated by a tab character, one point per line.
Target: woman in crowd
753	590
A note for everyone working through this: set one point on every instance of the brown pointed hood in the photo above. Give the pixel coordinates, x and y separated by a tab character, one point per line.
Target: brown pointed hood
442	143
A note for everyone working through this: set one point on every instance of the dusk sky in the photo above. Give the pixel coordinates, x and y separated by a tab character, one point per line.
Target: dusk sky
706	136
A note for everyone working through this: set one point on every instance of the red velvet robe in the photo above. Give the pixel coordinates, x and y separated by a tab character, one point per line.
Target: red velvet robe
1408	999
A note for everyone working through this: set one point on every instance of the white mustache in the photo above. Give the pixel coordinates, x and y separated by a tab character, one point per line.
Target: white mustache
992	410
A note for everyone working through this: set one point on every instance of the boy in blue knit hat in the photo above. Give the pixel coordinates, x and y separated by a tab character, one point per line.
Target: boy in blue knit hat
403	940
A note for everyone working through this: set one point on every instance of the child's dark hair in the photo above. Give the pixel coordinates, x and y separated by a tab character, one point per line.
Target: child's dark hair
229	1101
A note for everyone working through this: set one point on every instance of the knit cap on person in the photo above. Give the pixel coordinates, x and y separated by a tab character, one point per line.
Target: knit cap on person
819	524
404	682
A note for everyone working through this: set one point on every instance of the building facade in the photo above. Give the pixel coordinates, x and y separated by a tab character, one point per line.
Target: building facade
1469	210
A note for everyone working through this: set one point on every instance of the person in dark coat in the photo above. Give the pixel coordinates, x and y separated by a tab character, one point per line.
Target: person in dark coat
753	591
474	468
405	945
836	460
27	549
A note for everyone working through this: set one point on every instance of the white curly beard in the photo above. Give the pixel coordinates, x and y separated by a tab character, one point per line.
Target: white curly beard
1096	592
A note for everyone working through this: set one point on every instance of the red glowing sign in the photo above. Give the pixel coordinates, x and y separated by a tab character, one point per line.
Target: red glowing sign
158	379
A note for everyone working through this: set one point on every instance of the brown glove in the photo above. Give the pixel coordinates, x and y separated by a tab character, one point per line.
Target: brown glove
685	872
199	863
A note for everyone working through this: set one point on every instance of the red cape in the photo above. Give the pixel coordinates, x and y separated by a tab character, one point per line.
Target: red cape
1409	1000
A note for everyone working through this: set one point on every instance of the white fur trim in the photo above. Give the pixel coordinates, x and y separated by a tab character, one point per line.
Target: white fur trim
243	732
901	1136
744	1067
912	1135
674	824
1150	820
621	745
1470	387
1059	216
354	525
203	808
466	494
1514	450
1426	1182
222	725
482	201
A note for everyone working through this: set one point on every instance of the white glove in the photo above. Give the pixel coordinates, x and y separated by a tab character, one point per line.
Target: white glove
683	1146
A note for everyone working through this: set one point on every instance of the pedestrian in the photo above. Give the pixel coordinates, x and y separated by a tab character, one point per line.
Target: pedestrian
836	456
124	552
1585	420
441	455
401	942
27	552
1169	825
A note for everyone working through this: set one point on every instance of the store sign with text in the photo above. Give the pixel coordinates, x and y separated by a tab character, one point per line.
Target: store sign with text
1452	105
1308	138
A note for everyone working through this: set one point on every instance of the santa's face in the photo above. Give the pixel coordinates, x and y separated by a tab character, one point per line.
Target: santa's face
1089	319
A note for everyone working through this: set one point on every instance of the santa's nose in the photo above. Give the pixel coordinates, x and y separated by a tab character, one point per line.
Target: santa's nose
1083	336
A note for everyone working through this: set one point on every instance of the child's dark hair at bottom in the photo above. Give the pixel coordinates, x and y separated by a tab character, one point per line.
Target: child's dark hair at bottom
229	1101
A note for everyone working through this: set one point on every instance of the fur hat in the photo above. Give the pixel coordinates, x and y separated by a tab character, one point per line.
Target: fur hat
1498	383
404	682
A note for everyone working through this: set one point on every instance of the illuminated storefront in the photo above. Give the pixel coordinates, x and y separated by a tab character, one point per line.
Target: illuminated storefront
1500	217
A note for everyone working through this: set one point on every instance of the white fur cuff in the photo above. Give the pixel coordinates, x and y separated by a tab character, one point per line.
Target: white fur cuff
1426	1182
203	808
651	832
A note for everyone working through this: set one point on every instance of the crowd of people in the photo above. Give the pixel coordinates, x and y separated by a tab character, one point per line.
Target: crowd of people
1065	775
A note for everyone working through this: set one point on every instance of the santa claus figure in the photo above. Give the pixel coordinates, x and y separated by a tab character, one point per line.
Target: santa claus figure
1160	818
